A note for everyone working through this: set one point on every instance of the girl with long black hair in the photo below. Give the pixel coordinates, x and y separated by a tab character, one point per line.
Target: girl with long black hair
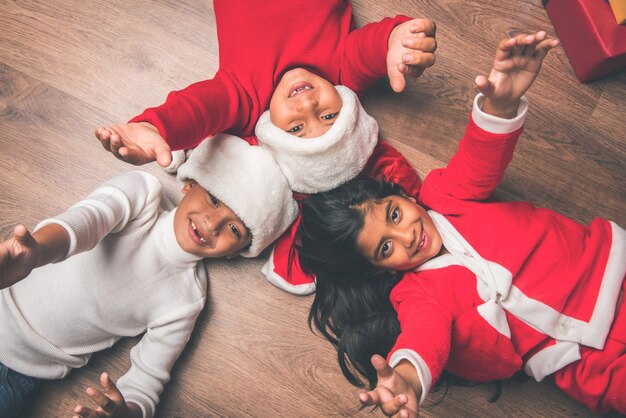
458	282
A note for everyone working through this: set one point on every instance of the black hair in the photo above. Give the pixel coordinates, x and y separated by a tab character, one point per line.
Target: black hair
351	308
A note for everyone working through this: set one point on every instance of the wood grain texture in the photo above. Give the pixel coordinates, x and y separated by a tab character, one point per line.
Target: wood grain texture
68	66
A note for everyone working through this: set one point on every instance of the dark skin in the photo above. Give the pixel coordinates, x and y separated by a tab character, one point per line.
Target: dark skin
110	402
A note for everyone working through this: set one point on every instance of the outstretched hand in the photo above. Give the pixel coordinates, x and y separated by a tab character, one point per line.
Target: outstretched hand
393	394
110	402
515	67
19	255
135	143
411	50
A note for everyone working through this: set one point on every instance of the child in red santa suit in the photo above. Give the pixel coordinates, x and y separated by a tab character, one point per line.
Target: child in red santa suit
294	67
456	281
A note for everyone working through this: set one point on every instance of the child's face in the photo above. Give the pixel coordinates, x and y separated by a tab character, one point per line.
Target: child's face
304	104
206	227
398	234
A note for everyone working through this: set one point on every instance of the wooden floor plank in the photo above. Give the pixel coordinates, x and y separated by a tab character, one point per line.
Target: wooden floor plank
68	66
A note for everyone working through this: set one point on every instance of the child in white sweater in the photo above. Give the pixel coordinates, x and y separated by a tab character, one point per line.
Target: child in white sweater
119	263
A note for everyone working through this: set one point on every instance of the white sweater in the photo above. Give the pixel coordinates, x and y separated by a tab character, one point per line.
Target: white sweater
124	274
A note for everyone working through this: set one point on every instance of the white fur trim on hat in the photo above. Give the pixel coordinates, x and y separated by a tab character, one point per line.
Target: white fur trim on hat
246	179
314	165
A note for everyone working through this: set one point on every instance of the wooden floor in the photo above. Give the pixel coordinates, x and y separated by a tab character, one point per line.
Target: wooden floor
68	66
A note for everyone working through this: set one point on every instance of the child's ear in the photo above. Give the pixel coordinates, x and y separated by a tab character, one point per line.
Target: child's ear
412	199
189	184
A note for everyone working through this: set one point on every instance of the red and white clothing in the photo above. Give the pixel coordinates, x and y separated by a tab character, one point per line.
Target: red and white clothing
520	287
257	45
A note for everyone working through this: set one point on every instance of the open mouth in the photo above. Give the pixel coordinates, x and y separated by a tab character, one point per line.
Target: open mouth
422	239
420	244
299	88
197	234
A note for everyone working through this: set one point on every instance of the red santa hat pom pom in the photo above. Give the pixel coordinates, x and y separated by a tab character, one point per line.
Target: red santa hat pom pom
247	179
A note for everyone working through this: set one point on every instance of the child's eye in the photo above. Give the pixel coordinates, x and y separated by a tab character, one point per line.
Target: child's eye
214	199
235	231
395	215
386	249
295	129
330	116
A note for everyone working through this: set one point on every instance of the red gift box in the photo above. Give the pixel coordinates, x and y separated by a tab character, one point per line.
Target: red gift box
593	41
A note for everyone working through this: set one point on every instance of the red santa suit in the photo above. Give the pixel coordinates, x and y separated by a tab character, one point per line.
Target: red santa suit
257	45
520	287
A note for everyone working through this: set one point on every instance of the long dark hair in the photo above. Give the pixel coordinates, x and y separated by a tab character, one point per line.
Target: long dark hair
351	308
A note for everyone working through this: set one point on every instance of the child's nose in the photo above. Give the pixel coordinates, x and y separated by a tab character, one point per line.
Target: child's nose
407	236
308	105
213	224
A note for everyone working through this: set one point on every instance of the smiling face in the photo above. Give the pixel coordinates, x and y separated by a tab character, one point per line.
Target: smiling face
398	234
206	227
304	104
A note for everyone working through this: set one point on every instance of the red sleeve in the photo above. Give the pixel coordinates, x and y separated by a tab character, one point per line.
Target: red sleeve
203	109
426	326
474	171
365	54
387	163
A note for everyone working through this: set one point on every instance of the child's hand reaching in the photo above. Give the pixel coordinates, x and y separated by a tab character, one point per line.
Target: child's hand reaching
110	402
411	50
19	255
135	143
516	66
393	393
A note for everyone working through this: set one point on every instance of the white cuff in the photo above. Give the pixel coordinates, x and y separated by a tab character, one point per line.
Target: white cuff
495	124
423	372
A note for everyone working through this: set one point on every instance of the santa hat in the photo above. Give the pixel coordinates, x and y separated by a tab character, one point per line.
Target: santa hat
247	180
314	165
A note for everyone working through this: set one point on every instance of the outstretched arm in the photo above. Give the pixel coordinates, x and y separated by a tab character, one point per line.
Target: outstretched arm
478	166
24	252
110	402
516	65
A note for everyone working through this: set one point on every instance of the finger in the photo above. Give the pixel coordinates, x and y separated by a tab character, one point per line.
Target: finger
110	388
522	42
383	369
391	407
21	234
116	142
163	155
423	25
397	81
83	412
370	398
418	59
104	136
530	49
101	400
484	85
420	43
410	71
542	49
504	48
